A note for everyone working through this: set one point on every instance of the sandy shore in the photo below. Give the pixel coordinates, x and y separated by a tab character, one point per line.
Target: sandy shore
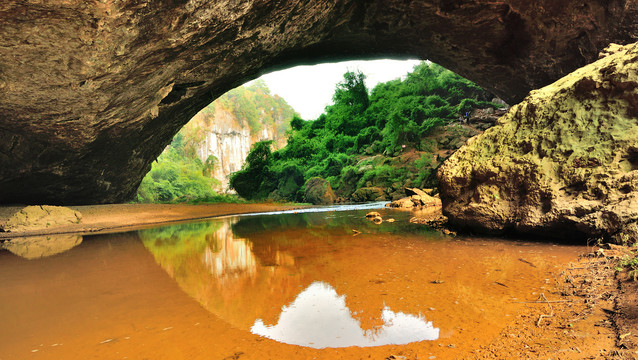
119	217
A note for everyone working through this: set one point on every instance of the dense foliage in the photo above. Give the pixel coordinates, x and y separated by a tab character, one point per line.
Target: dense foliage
360	141
177	176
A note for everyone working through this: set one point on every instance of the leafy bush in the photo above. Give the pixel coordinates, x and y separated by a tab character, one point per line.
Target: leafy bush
425	176
249	181
176	177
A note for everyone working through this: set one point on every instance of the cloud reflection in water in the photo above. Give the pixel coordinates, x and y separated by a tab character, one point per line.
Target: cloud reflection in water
319	318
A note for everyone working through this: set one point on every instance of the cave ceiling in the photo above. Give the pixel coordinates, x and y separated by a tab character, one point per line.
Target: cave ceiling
91	91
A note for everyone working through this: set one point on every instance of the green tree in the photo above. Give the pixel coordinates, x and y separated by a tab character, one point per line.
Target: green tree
253	180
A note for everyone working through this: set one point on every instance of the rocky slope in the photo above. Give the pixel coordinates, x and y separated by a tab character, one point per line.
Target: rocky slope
563	163
92	91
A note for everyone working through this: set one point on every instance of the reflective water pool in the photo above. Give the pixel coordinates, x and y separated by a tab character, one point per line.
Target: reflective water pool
319	317
266	286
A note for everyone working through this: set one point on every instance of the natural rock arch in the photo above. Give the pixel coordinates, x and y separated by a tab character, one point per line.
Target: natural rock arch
92	91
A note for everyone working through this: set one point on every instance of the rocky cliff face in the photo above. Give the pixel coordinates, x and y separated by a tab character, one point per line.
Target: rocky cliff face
229	140
562	163
92	91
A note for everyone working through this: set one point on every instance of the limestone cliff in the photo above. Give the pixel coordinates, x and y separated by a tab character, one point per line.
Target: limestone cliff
563	163
229	139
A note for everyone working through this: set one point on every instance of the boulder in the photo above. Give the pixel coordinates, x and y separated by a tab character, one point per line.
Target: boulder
404	203
368	194
32	218
563	163
319	192
417	191
417	199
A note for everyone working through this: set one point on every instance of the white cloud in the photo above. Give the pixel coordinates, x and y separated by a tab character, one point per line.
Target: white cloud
319	318
309	89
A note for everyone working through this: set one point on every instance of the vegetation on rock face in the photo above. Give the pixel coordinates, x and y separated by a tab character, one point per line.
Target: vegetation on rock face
368	145
252	105
562	163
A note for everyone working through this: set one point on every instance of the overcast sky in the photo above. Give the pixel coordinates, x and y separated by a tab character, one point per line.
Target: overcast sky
308	89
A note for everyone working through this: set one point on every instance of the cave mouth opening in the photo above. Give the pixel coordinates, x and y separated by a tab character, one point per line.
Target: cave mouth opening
370	107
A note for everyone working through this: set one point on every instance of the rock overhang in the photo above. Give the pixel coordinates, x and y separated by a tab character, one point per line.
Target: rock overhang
92	91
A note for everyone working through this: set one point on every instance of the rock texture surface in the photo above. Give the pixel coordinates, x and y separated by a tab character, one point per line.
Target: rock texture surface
318	192
564	162
417	199
40	217
91	91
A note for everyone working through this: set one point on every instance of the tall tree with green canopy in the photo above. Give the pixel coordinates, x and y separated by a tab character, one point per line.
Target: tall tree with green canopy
350	102
249	181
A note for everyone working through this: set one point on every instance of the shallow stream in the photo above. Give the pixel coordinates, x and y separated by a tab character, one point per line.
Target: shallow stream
291	285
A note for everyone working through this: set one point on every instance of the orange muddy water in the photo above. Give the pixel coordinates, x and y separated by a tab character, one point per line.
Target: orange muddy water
296	286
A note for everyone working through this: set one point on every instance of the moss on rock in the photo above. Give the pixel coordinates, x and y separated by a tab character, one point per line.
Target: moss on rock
318	192
564	162
372	193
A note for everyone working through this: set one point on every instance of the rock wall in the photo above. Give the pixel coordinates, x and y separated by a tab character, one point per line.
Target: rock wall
563	163
229	140
92	91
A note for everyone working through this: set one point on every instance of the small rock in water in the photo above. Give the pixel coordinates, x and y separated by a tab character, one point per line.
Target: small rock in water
373	214
390	220
377	220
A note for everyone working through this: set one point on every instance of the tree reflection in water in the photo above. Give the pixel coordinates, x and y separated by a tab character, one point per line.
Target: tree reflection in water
247	268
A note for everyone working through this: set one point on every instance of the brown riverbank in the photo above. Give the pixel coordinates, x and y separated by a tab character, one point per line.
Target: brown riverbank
117	217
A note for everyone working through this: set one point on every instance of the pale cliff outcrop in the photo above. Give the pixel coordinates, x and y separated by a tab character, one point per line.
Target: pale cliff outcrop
91	91
563	163
229	140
